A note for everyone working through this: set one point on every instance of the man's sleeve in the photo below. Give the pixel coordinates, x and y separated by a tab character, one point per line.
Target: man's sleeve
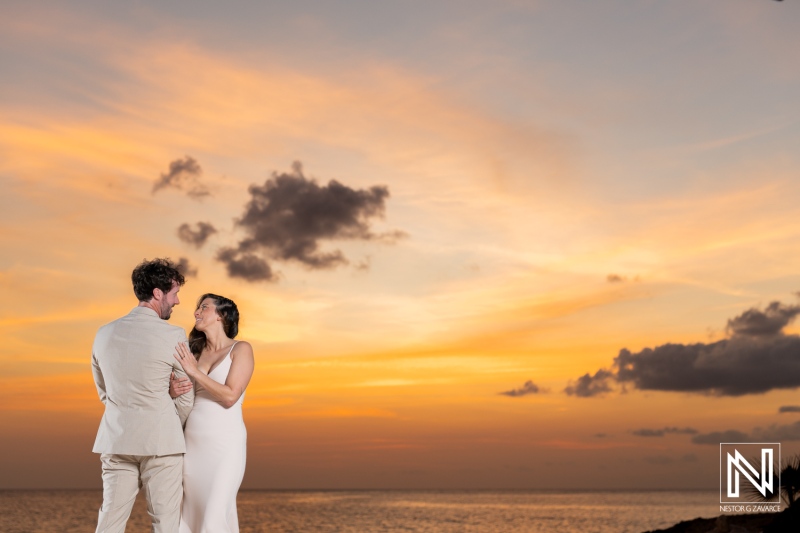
99	382
184	402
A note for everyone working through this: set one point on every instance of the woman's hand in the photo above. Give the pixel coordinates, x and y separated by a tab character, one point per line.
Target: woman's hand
178	386
186	360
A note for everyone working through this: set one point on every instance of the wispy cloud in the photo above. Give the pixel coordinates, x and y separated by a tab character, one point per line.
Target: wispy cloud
184	175
616	278
528	388
734	139
772	433
646	432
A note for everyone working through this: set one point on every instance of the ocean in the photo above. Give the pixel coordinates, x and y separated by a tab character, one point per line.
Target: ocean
368	511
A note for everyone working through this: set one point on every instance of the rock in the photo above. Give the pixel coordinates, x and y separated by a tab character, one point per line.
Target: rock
745	523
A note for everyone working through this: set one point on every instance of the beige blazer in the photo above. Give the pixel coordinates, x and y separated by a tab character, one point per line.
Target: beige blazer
131	362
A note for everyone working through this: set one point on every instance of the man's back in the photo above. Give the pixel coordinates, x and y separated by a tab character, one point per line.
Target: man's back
132	361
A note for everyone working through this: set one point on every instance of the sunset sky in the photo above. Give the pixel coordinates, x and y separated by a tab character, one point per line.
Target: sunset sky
508	244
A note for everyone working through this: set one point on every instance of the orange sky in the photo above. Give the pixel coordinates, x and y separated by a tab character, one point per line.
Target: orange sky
569	181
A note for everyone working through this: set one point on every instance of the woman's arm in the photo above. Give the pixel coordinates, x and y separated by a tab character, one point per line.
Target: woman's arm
242	365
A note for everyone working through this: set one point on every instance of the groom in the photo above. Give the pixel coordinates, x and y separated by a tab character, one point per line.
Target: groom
140	440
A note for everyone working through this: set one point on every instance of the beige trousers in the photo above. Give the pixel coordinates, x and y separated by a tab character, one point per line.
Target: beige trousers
123	476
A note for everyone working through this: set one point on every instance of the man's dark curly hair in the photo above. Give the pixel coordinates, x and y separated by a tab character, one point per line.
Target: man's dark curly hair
156	274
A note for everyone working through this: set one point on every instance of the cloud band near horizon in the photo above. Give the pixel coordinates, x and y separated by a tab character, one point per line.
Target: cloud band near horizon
757	358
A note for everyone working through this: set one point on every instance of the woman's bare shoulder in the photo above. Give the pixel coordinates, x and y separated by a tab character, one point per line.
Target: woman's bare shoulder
242	348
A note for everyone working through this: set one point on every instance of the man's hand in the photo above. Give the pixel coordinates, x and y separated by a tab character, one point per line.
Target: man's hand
178	387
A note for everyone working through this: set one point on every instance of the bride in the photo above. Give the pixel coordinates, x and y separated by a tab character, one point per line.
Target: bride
220	368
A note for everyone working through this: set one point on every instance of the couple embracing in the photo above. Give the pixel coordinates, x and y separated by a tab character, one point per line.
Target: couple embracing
173	412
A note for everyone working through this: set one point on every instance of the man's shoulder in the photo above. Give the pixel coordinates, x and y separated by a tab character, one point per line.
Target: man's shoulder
173	329
135	315
111	325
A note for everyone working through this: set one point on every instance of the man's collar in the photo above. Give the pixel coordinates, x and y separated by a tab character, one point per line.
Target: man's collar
144	311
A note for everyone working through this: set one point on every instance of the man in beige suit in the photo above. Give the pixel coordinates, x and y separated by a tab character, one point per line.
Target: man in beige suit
141	434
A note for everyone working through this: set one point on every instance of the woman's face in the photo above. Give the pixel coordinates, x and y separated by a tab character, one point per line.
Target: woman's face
206	315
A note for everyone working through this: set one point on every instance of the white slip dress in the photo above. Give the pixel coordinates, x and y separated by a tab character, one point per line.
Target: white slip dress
213	467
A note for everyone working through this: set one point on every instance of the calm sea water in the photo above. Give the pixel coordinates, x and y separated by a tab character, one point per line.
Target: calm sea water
390	511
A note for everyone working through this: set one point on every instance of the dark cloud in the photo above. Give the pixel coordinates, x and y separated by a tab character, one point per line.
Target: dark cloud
245	265
528	388
773	433
196	237
184	175
789	409
644	432
716	437
769	322
588	385
289	216
731	367
682	431
776	433
185	268
648	432
757	358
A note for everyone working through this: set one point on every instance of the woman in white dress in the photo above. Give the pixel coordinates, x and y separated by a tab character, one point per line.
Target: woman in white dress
213	466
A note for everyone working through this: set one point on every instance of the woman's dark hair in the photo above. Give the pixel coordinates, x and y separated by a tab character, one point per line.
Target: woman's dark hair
227	310
155	274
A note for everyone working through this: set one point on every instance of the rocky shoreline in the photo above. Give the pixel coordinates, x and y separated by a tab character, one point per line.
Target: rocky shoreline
787	521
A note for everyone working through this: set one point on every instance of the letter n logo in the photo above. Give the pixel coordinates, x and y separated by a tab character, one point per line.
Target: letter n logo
748	470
